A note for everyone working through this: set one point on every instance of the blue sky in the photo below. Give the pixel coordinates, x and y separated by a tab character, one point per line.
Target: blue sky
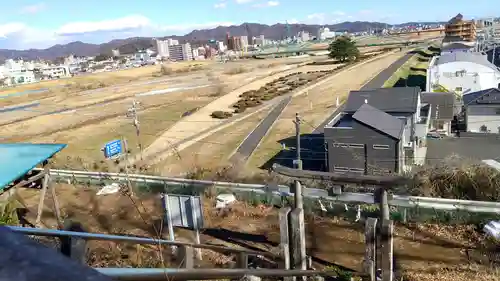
34	24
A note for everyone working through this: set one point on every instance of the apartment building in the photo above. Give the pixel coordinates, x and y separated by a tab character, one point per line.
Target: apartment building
162	48
465	29
181	52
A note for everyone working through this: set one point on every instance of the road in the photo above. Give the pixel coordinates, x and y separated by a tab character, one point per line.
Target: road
255	137
377	82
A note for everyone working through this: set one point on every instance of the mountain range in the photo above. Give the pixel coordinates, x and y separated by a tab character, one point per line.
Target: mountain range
130	45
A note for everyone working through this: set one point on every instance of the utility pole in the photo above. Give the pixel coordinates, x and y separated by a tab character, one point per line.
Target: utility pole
132	113
494	53
298	162
127	164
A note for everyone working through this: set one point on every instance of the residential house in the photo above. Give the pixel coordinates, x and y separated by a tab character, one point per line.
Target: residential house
376	129
461	72
444	107
482	111
366	142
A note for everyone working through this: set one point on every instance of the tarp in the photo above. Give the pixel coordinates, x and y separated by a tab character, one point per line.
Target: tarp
17	159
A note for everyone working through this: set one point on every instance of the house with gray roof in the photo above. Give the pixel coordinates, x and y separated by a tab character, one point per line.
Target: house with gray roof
482	111
462	73
444	106
376	133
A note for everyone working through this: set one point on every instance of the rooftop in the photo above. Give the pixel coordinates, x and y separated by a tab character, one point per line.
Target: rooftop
470	146
389	100
472	57
488	96
373	118
17	159
455	46
443	105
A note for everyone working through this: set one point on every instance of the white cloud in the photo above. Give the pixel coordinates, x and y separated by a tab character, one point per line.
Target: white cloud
121	24
220	5
267	4
33	9
17	35
243	1
338	13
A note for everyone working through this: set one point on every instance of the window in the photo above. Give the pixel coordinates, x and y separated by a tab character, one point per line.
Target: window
348	145
497	111
458	89
380	146
356	145
357	170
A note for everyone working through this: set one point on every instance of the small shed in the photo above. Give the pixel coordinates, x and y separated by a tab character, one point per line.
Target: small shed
17	161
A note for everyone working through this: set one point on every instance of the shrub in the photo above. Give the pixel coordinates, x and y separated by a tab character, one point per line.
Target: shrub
221	114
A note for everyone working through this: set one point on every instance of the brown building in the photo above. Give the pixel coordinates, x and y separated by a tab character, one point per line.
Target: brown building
234	43
457	26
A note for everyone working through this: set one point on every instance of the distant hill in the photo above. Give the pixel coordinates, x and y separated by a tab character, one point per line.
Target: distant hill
130	45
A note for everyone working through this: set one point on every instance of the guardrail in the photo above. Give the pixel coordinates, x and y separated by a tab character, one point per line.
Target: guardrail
282	190
55	267
135	274
184	253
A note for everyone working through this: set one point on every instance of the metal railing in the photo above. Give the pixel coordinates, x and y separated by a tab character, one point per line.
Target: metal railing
402	201
20	246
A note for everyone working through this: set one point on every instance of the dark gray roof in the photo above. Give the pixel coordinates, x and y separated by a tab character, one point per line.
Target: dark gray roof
465	57
456	19
455	46
443	105
389	100
379	120
488	96
471	146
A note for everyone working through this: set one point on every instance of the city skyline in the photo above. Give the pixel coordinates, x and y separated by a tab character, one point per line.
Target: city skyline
31	24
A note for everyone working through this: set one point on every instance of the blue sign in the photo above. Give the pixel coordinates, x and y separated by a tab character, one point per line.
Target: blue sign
113	148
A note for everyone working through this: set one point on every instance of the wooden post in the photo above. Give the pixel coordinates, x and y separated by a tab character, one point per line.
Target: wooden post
384	204
57	209
185	255
284	237
196	229
41	202
386	229
242	260
369	263
297	237
72	247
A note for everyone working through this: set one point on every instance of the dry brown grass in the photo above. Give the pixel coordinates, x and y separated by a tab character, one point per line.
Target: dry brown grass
457	178
236	70
166	70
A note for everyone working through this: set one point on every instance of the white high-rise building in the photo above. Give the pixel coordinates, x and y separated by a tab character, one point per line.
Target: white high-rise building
181	52
172	42
304	36
162	48
244	41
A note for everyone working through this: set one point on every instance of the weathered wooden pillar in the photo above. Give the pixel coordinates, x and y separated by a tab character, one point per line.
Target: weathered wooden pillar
386	232
369	263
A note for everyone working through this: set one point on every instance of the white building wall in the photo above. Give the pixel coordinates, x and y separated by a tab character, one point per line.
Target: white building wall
477	116
463	77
